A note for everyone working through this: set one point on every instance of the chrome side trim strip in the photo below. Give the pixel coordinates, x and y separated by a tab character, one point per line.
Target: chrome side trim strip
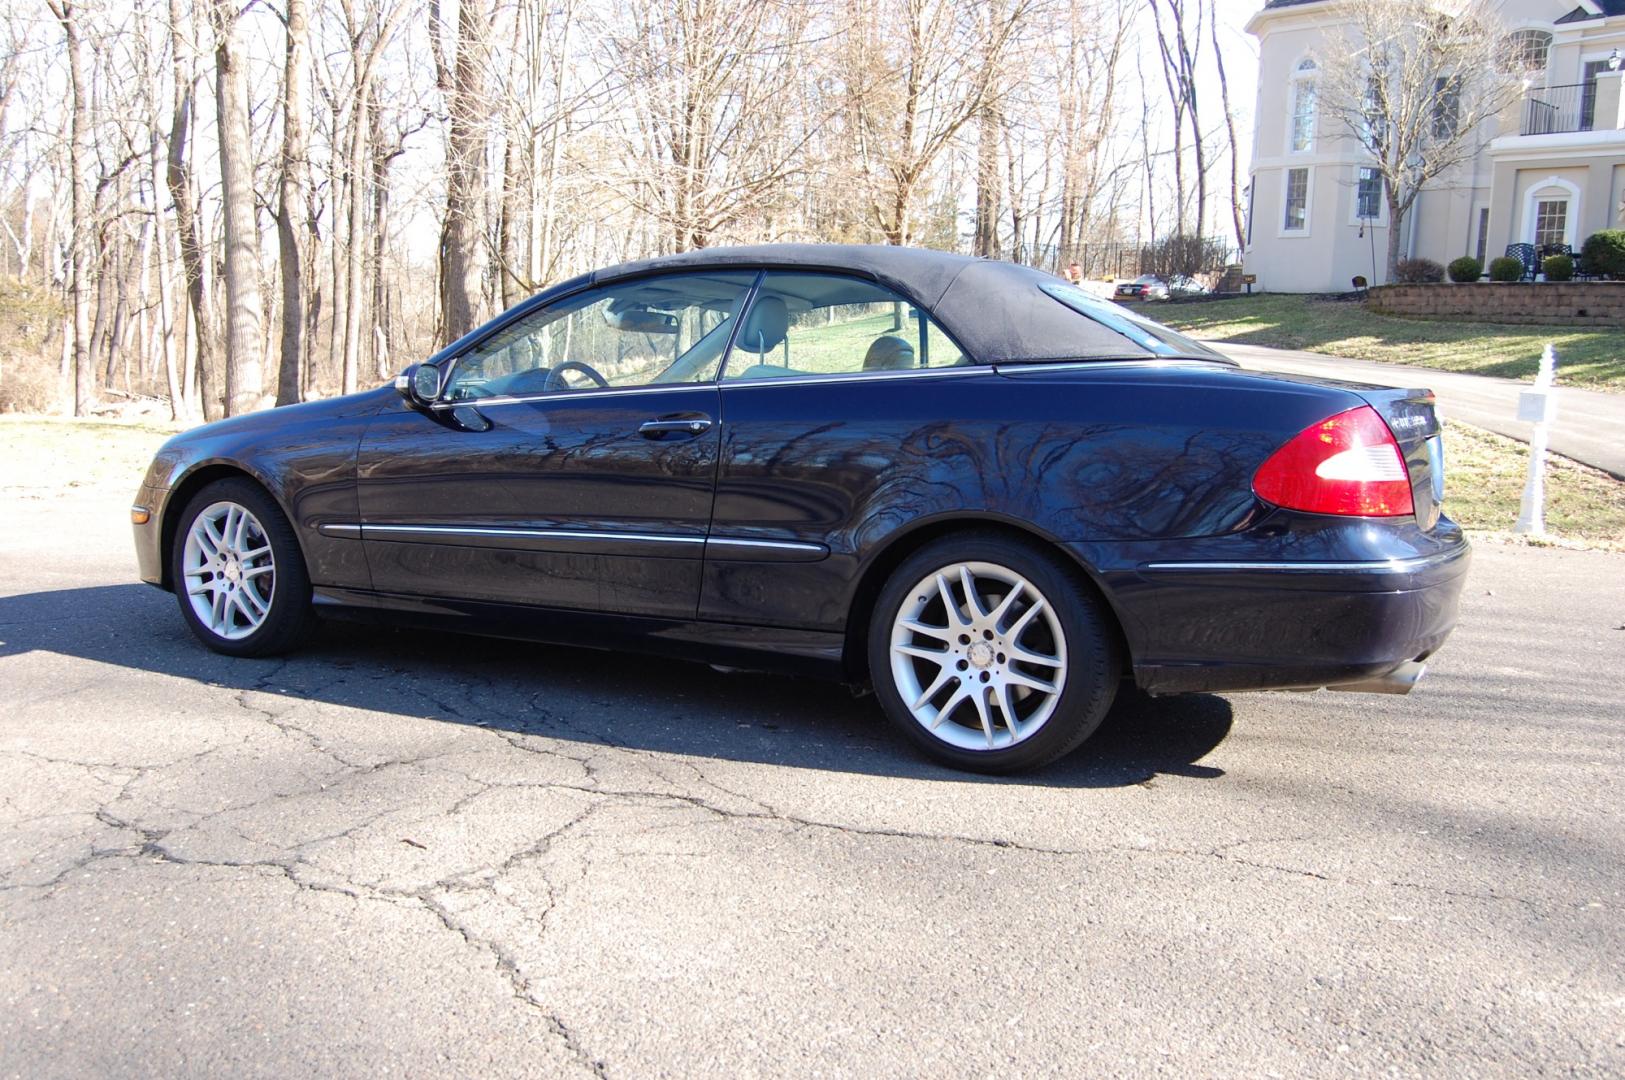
350	532
536	534
1375	566
779	545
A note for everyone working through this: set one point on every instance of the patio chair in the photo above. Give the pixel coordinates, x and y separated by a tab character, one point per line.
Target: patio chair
1525	254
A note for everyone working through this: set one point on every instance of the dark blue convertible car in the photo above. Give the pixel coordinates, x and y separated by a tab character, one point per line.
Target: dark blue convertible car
970	484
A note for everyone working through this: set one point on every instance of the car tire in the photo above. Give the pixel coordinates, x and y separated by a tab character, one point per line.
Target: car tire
1021	680
238	572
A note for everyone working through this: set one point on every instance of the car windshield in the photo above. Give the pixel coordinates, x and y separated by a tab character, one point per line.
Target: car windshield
1150	336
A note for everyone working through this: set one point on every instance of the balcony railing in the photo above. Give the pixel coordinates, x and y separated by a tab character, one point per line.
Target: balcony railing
1551	109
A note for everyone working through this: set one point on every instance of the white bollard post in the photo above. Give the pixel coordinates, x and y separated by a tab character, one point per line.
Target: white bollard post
1539	406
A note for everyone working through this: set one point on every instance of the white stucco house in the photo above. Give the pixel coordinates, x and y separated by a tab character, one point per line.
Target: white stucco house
1554	172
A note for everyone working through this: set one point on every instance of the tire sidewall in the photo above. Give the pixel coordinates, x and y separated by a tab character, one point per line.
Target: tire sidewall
290	615
1092	662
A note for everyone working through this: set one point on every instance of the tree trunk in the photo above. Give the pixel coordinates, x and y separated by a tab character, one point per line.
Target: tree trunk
1396	235
1237	217
290	208
84	374
244	309
356	243
186	223
460	269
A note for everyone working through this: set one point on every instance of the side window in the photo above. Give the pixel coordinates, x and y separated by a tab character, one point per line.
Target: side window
825	324
671	329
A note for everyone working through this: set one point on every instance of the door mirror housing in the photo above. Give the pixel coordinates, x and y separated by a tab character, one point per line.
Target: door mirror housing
419	384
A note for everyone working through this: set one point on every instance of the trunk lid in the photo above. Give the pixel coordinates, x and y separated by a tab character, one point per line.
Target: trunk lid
1412	417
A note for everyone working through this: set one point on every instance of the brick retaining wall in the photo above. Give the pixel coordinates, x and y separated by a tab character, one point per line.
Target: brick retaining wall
1557	303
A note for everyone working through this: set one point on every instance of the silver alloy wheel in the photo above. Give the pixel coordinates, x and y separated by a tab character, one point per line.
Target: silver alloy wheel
230	573
978	656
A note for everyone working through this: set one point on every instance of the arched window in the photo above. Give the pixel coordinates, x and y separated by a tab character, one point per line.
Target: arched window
1301	134
1525	51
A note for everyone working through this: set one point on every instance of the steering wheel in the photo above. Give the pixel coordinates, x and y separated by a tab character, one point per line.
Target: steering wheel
555	378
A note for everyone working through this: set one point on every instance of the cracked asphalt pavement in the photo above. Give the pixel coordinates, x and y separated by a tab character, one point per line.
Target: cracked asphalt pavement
401	853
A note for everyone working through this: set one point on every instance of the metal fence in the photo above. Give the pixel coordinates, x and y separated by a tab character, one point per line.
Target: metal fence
1552	109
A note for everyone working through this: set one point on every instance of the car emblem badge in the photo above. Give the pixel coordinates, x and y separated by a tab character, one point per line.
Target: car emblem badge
981	654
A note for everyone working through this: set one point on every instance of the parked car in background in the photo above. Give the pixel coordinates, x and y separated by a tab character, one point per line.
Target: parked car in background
1186	286
968	484
1144	287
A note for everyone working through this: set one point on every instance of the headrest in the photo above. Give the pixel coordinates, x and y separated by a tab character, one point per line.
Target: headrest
766	326
889	354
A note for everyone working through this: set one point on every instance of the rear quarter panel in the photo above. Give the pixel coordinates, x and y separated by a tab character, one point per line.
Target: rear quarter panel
1099	455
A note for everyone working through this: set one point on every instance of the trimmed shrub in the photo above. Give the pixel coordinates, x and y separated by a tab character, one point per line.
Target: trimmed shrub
1557	268
1603	253
1506	268
1466	269
1418	272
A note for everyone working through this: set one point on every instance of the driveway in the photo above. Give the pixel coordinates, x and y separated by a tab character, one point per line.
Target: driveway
402	853
1587	428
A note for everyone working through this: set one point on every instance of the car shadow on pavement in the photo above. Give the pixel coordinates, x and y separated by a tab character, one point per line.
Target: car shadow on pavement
579	695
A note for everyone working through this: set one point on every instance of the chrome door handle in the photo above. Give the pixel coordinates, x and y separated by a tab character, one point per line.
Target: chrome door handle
693	425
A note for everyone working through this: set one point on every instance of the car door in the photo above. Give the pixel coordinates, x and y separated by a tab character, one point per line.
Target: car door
834	393
569	460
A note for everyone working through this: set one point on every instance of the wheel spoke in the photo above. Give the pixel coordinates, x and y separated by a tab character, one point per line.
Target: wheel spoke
948	707
263	549
1021	678
997	616
979	698
255	571
973	603
217	612
199	587
259	604
944	675
1025	620
1008	708
955	615
208	537
941	633
936	656
241	605
1027	656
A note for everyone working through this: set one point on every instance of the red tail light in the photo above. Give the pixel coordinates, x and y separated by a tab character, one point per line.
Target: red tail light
1346	464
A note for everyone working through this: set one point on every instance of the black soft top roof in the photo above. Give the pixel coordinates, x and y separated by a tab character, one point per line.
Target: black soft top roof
995	310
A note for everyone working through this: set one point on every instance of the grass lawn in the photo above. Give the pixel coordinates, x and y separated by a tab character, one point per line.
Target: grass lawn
1593	357
1484	478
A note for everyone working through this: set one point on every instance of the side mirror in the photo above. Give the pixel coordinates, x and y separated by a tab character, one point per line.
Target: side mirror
419	384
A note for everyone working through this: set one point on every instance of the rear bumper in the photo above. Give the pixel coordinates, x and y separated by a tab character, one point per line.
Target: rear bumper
1216	625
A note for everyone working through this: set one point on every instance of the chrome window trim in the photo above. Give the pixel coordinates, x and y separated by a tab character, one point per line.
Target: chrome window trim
862	376
344	529
572	395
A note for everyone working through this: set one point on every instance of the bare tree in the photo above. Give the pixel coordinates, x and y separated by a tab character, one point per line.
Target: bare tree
1237	216
918	72
84	377
245	313
1179	40
462	79
1411	88
290	225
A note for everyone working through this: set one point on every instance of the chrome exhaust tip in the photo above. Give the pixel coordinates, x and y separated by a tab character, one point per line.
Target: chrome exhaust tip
1401	680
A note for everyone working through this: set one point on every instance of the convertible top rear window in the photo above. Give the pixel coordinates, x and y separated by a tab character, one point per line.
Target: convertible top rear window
1150	336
